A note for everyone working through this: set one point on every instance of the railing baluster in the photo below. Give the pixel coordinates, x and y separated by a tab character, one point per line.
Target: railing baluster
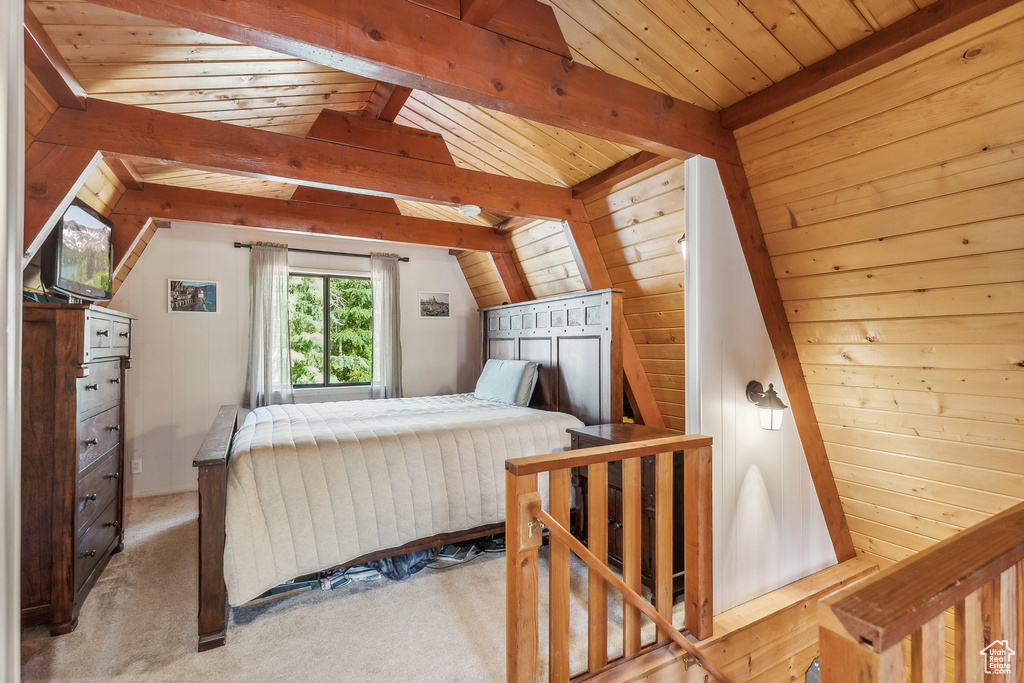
1008	588
1019	624
663	536
991	629
523	510
597	589
928	652
521	579
631	530
969	640
697	558
558	611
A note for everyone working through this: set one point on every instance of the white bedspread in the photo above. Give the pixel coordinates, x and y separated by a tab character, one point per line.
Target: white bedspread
315	485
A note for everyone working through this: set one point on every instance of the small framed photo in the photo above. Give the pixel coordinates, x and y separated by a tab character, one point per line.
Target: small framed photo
191	296
435	305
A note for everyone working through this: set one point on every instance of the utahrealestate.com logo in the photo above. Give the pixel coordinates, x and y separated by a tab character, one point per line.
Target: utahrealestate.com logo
998	658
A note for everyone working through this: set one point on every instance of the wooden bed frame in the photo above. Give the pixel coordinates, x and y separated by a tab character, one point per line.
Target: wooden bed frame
574	338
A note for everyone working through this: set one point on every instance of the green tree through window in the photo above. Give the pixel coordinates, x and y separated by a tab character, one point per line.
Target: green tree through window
340	351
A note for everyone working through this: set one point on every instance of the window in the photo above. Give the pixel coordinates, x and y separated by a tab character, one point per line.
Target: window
341	351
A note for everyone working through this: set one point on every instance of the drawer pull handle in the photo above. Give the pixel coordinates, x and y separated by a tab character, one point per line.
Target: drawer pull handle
114	475
92	387
613	524
122	335
115	380
90	496
113	523
89	553
91	442
114	428
102	333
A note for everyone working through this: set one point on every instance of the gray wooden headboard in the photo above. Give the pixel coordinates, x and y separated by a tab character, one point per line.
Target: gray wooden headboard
575	339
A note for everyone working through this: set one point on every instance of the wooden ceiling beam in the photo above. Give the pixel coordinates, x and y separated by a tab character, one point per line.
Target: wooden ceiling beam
590	261
53	174
393	107
533	23
127	229
479	12
348	200
397	42
386	101
381	136
221	208
49	66
125	171
124	130
510	224
511	281
452	8
625	169
909	33
766	287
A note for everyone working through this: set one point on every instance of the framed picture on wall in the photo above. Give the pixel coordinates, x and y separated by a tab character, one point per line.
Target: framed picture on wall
435	305
191	296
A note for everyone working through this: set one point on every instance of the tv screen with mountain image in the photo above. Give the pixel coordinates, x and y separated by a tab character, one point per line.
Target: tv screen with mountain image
77	259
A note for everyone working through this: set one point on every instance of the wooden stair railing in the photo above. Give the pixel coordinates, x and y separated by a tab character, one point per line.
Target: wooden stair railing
524	520
978	572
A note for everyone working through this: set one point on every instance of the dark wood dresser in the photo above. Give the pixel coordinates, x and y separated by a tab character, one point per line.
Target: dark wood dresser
606	434
74	359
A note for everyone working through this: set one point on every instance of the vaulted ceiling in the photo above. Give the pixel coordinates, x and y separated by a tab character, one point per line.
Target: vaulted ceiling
709	53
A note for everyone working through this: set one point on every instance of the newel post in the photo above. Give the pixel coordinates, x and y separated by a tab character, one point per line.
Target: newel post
521	583
845	659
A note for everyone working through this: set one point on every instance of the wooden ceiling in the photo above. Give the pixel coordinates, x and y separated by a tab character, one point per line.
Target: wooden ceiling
715	53
709	53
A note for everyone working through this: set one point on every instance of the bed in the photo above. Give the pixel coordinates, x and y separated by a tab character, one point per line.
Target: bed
290	490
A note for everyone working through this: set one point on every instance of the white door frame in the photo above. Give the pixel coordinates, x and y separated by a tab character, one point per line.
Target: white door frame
12	142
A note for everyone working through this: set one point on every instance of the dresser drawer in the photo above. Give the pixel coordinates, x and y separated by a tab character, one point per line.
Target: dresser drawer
121	337
96	488
106	336
95	544
97	435
102	386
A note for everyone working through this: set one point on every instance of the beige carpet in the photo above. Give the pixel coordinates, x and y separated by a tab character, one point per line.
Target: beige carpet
138	623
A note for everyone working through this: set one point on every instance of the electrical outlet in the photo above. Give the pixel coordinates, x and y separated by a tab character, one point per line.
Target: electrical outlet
136	467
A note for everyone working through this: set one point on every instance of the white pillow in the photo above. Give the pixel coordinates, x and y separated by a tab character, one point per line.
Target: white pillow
528	382
507	381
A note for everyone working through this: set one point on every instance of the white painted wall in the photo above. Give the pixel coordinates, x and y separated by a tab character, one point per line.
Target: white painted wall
768	525
186	365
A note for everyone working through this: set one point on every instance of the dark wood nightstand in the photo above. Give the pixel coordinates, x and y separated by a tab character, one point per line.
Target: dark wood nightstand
606	434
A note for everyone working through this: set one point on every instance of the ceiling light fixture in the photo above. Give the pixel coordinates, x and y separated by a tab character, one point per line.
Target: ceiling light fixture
469	210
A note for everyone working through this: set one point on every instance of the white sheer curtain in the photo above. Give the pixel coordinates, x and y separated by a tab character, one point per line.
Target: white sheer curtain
387	345
269	377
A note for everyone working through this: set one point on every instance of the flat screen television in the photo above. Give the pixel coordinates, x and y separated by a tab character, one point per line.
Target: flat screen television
77	258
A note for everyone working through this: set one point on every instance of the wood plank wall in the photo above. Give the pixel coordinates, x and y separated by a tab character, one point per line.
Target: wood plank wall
101	189
545	262
638	223
482	278
39	107
893	210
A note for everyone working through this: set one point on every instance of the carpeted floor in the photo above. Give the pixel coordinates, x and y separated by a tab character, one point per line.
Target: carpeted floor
138	624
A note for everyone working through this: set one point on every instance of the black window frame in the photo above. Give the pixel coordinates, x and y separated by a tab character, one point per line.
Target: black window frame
326	372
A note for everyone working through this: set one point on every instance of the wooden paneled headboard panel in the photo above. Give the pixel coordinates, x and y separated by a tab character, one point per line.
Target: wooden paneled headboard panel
575	339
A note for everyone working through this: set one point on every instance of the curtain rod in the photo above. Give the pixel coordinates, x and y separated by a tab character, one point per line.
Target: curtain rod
404	259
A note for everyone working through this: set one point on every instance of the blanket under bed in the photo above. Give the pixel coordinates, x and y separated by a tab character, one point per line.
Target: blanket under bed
311	486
